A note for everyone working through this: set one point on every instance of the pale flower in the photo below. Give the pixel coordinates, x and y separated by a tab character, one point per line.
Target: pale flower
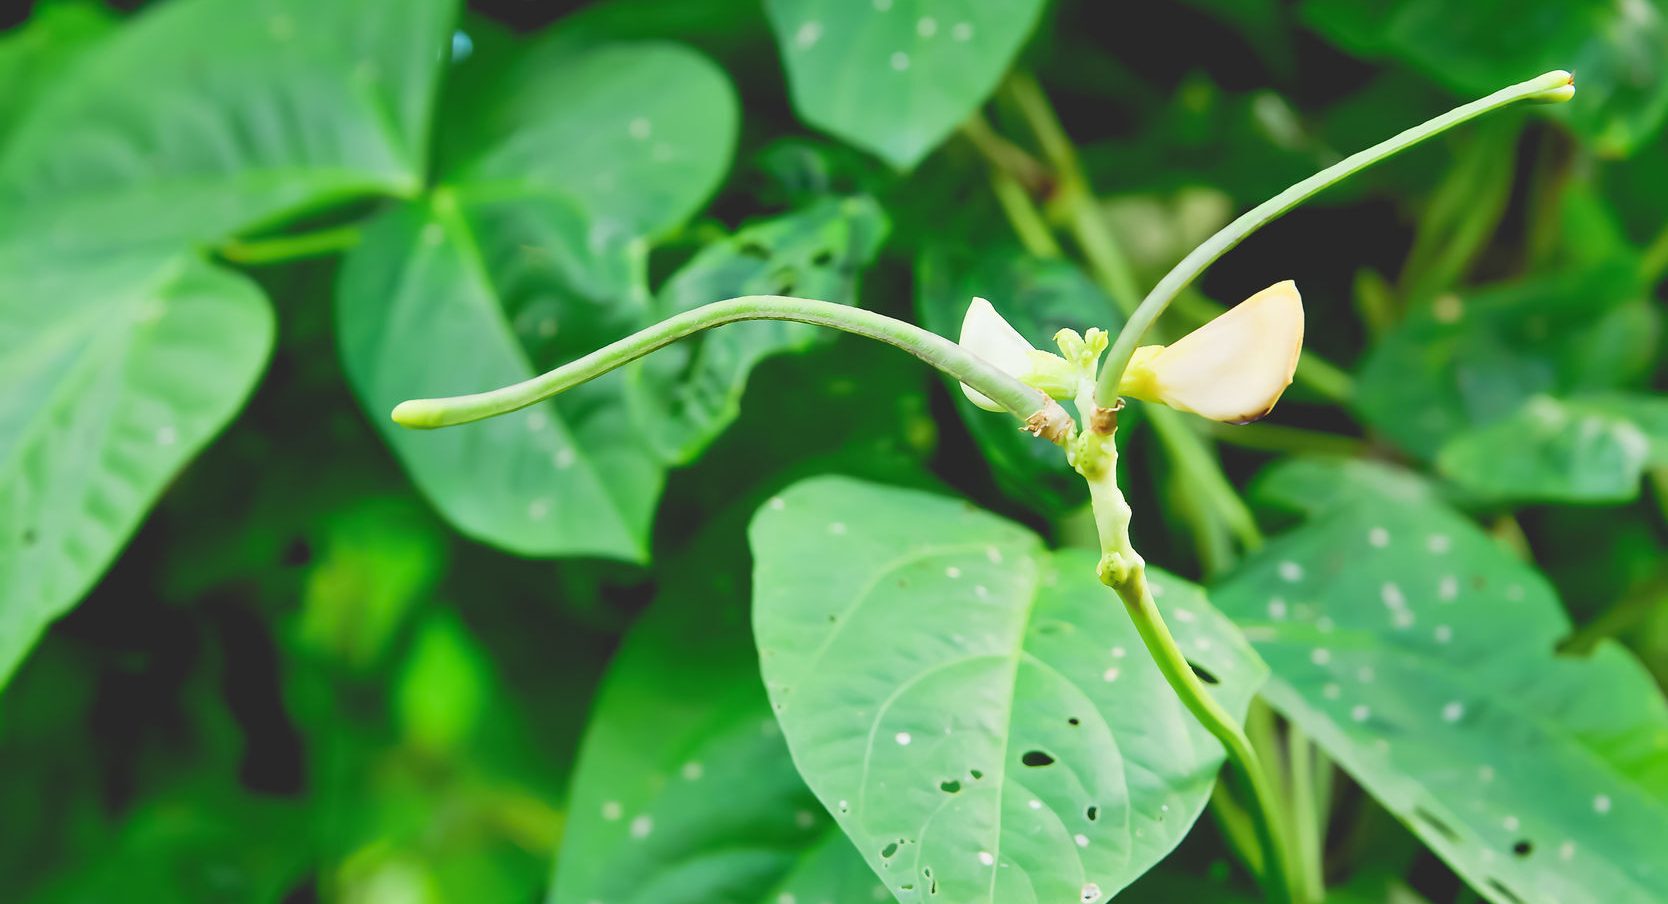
1233	368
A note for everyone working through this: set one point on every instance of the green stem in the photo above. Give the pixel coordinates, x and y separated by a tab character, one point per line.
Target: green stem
1552	86
1247	769
1237	828
1033	233
1308	819
278	249
1278	438
1190	454
1654	263
1632	608
1024	402
1075	196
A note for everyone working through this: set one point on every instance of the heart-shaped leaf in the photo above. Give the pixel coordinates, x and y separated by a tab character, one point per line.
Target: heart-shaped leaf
418	314
637	134
1419	655
247	114
977	712
117	371
532	254
896	76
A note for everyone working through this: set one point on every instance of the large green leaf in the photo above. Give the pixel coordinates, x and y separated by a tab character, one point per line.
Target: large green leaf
1039	297
687	394
1470	359
530	255
896	77
1574	450
420	314
35	55
117	371
976	712
1616	50
638	134
685	793
249	111
1419	654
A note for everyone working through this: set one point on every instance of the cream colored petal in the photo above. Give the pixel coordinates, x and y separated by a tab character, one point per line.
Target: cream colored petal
1235	367
986	334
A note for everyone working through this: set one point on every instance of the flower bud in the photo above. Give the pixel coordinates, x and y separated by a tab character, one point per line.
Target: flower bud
986	334
1233	368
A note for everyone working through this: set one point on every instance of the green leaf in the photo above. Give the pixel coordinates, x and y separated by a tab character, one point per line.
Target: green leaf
687	394
896	77
685	793
1617	51
976	712
117	372
35	55
420	314
246	117
1311	484
1551	450
1419	655
638	135
1039	297
1471	359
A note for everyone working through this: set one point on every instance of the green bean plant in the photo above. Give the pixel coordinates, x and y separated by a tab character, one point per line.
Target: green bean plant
1009	757
443	456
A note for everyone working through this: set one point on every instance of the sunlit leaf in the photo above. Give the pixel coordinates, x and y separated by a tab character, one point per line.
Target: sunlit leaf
1419	655
976	712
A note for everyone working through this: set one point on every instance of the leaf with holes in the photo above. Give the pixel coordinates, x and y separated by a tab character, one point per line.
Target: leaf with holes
684	791
1039	297
1419	655
118	370
249	112
688	393
896	77
567	476
977	712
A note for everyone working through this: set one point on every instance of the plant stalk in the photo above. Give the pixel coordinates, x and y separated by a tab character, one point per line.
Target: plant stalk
1550	87
1042	414
282	248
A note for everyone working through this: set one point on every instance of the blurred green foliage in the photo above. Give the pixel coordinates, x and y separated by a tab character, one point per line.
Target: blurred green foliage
259	644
